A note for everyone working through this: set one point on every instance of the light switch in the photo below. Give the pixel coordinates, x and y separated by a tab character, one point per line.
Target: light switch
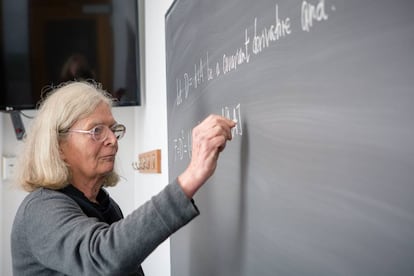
9	165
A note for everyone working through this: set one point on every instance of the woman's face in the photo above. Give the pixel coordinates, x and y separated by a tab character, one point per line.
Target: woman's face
88	159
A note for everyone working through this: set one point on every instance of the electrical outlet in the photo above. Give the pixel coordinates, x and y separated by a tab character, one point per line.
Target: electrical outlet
149	162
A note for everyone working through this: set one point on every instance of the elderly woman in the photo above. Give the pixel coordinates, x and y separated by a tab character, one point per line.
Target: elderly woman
68	224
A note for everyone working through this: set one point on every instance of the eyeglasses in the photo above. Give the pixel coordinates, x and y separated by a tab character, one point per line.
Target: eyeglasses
100	132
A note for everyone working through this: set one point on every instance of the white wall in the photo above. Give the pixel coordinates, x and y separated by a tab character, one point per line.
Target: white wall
146	130
151	120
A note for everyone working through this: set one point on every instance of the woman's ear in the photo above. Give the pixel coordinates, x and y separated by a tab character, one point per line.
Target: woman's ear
61	151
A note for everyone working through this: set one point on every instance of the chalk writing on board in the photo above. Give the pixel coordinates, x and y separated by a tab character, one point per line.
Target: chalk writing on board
257	41
311	13
230	62
183	143
189	82
234	113
273	33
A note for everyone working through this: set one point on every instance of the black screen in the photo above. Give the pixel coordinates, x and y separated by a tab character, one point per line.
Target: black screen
39	41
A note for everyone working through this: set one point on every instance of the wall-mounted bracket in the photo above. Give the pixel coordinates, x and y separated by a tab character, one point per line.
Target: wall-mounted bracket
148	162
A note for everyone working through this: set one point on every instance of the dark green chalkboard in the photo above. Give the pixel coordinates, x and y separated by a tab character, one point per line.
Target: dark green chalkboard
319	178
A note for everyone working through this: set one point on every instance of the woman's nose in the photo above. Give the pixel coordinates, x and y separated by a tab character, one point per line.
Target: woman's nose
110	139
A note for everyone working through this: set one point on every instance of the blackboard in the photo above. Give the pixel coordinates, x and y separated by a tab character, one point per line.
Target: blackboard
319	178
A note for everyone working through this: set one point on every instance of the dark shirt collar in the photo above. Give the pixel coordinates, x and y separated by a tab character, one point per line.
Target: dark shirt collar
106	210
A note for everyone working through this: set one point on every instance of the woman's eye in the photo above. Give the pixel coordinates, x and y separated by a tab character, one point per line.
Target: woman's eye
98	130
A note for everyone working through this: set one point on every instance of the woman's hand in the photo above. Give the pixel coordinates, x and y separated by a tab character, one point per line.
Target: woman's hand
208	140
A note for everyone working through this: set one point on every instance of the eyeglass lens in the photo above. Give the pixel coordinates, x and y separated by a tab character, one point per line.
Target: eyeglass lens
101	132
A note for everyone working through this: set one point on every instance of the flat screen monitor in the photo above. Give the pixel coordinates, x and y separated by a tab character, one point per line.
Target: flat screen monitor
47	42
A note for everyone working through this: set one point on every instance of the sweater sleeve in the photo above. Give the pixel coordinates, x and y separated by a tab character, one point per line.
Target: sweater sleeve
62	238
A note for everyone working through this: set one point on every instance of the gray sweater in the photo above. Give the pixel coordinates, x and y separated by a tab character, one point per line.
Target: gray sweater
52	236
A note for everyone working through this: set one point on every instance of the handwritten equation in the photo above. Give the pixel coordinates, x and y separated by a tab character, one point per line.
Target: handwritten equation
255	42
183	143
